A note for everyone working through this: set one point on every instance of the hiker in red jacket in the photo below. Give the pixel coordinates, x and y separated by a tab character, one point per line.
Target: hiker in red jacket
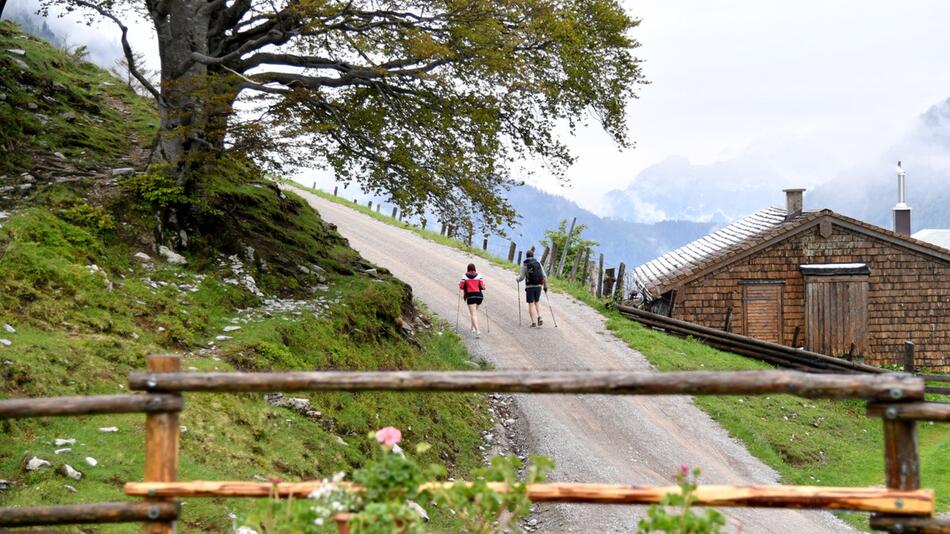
472	285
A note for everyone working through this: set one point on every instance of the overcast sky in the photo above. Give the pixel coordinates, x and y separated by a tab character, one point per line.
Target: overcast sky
842	79
846	77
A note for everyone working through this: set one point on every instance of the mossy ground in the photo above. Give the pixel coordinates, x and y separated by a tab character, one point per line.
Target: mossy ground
808	442
78	109
86	313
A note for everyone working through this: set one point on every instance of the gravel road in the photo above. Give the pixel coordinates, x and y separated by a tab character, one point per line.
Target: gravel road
592	438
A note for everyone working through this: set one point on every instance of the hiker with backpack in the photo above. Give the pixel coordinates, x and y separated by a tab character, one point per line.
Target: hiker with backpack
472	285
533	274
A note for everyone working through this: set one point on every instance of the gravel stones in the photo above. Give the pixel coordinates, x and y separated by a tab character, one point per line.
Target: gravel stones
71	472
171	256
37	463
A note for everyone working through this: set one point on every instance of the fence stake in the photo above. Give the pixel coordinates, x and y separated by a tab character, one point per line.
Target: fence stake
600	276
161	443
728	324
618	292
544	255
394	211
567	246
485	243
909	357
511	252
369	204
577	261
335	189
520	252
378	205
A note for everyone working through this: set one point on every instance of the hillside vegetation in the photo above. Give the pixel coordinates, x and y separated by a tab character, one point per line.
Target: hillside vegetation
264	285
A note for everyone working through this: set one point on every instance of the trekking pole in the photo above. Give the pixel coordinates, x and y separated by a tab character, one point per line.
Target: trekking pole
458	306
488	320
518	300
550	307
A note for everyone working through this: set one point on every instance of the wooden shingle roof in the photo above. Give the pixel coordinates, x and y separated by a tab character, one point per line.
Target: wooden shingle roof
750	234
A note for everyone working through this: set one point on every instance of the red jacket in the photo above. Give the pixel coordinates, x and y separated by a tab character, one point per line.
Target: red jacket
472	283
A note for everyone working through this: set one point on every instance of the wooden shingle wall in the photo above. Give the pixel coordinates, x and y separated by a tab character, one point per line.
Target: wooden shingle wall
908	293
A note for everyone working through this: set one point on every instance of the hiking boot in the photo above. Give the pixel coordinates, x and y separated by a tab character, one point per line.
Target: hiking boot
540	321
478	334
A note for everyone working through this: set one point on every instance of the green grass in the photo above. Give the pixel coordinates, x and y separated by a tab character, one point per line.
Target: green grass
808	442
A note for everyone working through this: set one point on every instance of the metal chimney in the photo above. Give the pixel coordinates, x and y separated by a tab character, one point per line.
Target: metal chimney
901	210
794	202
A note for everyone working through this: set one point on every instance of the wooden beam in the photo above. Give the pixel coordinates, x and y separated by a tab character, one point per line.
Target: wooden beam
111	512
916	411
59	406
917	502
901	460
161	443
809	385
911	525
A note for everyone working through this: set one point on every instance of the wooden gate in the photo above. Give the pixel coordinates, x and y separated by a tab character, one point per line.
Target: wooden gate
762	309
836	311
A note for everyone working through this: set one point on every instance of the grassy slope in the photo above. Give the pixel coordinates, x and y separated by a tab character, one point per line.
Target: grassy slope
807	442
81	329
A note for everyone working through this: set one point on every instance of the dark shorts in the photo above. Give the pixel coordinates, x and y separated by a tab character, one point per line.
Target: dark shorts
474	299
532	294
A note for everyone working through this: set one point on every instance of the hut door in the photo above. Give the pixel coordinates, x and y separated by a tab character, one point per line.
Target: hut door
836	314
762	310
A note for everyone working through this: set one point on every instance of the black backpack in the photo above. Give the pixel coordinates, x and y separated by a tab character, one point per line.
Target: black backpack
533	272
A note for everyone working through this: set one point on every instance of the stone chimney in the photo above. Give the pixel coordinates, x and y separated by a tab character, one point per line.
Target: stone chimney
901	210
794	202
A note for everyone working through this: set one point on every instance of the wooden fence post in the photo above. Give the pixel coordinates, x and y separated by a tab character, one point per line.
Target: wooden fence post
600	276
552	259
727	326
520	252
511	251
485	243
161	443
901	459
423	223
369	204
618	291
567	247
378	205
335	190
585	276
909	357
544	255
395	209
577	261
609	280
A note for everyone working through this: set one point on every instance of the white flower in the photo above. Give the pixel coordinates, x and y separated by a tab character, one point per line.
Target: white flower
318	521
338	477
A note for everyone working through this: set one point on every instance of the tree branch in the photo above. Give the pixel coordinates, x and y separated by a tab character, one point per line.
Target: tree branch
127	49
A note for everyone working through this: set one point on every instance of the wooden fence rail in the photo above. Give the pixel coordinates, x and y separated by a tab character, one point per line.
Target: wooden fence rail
873	387
896	398
110	512
101	404
915	502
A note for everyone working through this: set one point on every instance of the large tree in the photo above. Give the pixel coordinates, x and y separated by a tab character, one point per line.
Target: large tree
426	101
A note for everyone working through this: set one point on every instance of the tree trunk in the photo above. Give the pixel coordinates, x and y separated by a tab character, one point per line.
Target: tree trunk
187	89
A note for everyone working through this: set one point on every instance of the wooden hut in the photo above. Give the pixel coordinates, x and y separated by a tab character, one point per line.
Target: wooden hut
814	279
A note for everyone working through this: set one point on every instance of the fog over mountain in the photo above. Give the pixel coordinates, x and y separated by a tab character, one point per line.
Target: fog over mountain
754	179
869	191
630	242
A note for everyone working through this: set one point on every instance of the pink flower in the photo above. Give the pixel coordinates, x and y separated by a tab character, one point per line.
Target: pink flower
684	470
388	436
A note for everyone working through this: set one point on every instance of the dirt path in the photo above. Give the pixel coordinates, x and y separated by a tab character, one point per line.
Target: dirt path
636	440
